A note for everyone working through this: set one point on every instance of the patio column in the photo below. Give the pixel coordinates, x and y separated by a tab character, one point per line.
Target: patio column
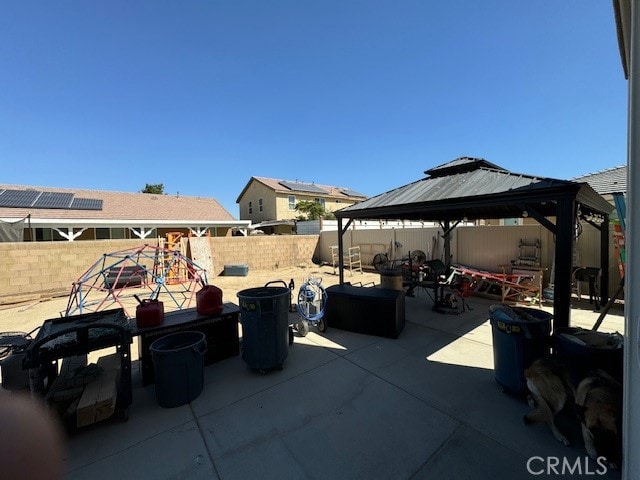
565	227
199	231
340	253
70	235
604	260
631	382
447	245
142	233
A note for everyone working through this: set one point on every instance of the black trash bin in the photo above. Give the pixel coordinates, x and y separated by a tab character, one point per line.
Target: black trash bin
520	335
13	350
590	349
178	363
264	316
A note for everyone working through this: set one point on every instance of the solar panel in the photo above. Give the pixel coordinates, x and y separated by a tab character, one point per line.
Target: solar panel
53	200
86	204
302	187
18	198
351	193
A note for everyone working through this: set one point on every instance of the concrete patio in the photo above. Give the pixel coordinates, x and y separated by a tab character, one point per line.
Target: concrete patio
345	406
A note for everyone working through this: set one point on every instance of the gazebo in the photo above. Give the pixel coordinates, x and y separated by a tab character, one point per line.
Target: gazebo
472	189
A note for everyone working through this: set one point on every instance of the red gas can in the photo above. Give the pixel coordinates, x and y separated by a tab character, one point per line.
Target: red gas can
149	313
209	300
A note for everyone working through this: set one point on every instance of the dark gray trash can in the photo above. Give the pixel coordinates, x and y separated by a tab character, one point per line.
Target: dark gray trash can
13	350
590	349
264	315
520	335
178	363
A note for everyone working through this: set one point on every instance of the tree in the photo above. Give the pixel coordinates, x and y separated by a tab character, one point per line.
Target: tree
310	210
157	188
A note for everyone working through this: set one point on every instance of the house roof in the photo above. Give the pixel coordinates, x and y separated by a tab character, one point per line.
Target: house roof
304	188
475	189
125	207
611	180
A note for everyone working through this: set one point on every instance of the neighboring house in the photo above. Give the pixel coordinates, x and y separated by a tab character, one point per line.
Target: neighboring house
606	183
68	214
271	203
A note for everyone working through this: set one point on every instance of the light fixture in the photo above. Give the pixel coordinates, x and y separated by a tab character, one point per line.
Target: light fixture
525	214
595	218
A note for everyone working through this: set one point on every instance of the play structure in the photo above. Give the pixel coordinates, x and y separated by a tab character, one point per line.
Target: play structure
119	279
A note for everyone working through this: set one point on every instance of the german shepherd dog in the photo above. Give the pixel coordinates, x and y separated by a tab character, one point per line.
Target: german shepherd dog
595	396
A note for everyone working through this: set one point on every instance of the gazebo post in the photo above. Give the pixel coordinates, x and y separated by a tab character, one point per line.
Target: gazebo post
565	228
340	253
447	245
604	260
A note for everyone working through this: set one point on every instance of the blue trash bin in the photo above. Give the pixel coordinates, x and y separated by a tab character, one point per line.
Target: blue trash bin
520	335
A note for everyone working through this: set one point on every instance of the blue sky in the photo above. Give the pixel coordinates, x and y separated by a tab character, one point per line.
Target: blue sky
365	94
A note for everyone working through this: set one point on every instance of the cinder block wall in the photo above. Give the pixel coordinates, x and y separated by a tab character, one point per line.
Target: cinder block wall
33	270
262	252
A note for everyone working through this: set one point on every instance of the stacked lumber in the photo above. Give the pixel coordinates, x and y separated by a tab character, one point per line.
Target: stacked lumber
98	400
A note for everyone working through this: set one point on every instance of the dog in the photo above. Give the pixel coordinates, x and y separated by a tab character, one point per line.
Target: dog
594	396
598	404
550	389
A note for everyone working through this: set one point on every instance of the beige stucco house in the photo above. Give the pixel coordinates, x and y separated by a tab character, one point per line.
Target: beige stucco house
68	214
270	204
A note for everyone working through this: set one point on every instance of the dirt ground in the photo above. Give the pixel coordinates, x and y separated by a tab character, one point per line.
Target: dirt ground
28	316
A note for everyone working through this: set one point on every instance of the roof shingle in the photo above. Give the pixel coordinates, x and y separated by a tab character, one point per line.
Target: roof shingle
611	180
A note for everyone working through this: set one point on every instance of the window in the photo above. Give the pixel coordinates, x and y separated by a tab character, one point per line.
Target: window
250	208
103	234
260	205
292	202
320	201
118	233
110	233
511	221
43	234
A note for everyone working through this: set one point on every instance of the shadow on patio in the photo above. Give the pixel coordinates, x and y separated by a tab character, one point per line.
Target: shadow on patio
345	405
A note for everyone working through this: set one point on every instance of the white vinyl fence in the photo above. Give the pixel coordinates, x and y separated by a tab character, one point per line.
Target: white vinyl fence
483	247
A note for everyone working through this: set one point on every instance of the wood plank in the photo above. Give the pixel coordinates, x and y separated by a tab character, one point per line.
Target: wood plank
65	379
98	400
106	400
86	411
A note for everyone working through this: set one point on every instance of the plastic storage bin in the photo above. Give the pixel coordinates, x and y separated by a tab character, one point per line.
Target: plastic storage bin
264	316
371	311
178	363
236	270
520	335
590	349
